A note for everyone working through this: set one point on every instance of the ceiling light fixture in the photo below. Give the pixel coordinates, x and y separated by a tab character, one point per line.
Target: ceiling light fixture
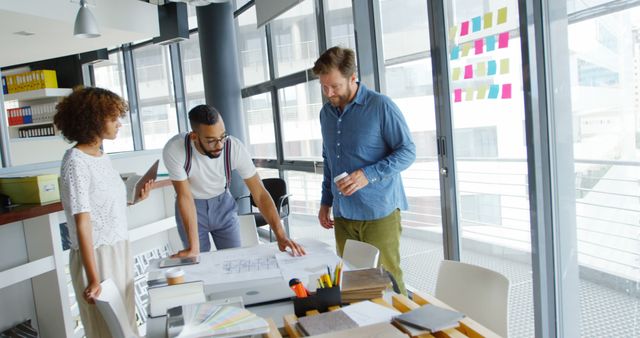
86	25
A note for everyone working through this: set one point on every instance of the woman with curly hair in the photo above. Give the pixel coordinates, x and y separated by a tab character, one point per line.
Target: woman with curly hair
94	200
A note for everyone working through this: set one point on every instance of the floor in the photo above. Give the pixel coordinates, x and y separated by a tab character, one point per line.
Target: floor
604	312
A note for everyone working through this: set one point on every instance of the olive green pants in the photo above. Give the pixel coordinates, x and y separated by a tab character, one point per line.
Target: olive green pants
383	233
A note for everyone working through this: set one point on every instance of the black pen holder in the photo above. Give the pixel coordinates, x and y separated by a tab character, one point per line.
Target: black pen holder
321	301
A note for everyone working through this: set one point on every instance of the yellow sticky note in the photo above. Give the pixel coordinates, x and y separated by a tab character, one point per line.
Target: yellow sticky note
468	94
502	15
452	32
504	66
481	69
466	47
455	76
488	20
482	92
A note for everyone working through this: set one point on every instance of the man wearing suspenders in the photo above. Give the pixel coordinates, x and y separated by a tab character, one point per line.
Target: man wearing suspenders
200	165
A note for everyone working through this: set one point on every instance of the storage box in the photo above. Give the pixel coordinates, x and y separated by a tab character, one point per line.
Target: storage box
321	301
31	190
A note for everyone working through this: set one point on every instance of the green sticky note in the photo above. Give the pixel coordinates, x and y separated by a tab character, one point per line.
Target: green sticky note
468	94
481	69
504	66
502	15
482	92
456	74
488	20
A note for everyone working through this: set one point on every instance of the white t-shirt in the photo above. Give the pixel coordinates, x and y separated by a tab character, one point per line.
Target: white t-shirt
91	184
206	177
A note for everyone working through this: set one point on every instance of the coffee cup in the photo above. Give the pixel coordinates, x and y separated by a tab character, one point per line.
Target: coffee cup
174	276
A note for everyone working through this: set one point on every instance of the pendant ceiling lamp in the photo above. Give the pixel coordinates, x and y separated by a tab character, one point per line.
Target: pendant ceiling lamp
86	25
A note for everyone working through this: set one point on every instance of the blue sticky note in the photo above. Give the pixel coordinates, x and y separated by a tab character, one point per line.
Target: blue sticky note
490	42
476	24
493	91
491	67
455	52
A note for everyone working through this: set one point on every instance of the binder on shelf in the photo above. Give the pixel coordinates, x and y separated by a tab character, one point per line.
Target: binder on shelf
5	90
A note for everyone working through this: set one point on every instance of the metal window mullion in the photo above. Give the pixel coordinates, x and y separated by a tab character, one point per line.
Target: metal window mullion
4	133
179	91
444	130
132	93
532	34
321	27
369	43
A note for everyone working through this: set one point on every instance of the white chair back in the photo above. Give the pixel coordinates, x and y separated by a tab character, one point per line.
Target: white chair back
480	293
112	308
360	255
248	231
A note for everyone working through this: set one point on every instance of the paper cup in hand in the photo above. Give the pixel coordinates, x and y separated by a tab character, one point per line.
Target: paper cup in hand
339	177
174	276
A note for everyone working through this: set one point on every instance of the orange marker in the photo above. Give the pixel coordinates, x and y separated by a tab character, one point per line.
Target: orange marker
298	288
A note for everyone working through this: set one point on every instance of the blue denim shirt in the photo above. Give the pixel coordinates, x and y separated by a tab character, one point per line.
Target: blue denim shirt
370	134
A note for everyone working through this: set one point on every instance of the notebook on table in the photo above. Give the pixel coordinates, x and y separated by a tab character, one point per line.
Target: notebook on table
430	318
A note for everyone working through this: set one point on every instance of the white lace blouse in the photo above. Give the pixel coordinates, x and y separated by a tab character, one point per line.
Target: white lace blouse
91	184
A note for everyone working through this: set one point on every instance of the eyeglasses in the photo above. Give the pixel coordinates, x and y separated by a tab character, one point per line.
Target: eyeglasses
213	141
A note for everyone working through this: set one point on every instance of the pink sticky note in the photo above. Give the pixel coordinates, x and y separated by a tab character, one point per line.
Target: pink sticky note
479	45
457	95
506	91
468	71
464	28
503	40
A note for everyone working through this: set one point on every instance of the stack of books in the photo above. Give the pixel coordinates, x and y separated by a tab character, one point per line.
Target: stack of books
427	319
365	284
213	320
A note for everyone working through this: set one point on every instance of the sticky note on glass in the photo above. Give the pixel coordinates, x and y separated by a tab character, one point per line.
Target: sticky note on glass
488	20
481	69
469	94
491	65
479	44
504	66
476	24
482	92
452	31
493	91
457	95
490	42
506	91
455	52
502	15
455	76
464	28
466	48
468	71
503	40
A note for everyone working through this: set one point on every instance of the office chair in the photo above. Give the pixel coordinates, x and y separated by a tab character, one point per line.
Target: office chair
110	304
248	231
480	293
277	188
360	255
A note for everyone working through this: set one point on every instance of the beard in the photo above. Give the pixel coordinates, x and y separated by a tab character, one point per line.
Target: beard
340	101
210	154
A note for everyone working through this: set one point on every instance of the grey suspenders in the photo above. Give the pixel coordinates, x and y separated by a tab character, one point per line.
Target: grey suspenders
227	158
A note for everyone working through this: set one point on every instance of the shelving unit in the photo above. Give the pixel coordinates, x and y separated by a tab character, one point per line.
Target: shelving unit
35	143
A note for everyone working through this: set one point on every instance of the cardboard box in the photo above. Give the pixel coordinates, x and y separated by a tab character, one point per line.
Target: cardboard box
31	190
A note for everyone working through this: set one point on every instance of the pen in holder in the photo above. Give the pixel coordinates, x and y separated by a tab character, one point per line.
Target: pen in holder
321	301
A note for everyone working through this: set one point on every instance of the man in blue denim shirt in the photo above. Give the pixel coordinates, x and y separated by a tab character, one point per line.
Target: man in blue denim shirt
364	135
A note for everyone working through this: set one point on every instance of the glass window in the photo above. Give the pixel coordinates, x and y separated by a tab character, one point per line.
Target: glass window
252	48
259	120
407	72
240	3
300	114
599	111
192	71
295	39
490	157
338	16
156	96
110	75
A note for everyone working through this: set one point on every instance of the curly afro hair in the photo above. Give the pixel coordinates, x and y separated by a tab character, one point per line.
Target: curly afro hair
81	116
